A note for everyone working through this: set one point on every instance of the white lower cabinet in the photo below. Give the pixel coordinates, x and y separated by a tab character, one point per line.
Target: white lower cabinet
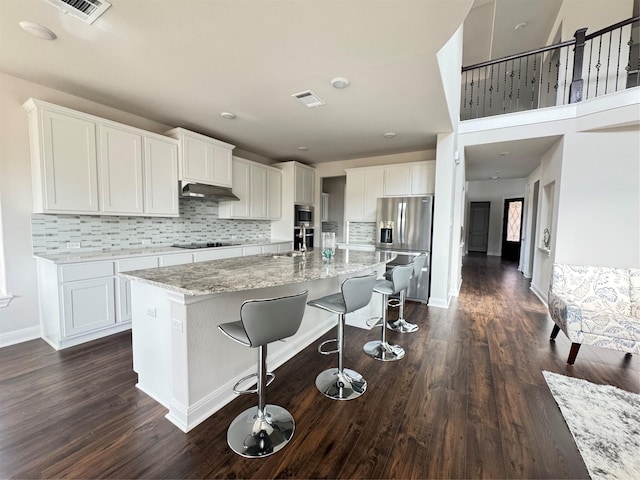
124	285
87	305
84	301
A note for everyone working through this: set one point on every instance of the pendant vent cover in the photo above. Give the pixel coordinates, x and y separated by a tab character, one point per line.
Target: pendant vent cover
86	10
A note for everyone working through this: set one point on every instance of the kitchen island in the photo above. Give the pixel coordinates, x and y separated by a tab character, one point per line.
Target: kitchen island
184	362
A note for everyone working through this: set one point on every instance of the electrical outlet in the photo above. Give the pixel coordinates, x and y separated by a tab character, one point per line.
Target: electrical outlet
71	245
146	241
151	312
176	324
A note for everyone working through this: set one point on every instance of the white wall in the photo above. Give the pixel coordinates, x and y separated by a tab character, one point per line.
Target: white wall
496	192
599	215
550	171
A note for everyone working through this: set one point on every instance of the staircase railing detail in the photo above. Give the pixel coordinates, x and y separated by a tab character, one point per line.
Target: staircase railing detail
603	62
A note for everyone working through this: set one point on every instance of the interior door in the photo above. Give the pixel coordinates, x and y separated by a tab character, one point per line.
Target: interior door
479	226
512	228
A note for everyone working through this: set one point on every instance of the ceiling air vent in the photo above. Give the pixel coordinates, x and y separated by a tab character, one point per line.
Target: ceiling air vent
309	99
86	10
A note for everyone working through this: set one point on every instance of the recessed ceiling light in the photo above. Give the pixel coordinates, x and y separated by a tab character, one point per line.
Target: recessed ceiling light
228	115
521	26
37	30
339	82
389	135
303	149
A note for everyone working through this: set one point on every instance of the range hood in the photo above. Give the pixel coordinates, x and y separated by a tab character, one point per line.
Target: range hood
211	192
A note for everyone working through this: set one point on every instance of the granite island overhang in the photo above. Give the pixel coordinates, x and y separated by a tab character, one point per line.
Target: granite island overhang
185	363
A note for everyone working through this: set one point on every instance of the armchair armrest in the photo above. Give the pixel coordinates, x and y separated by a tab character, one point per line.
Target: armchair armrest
568	316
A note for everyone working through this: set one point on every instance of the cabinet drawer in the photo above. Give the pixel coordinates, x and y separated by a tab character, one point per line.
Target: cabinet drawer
273	248
253	250
176	259
83	271
218	254
140	263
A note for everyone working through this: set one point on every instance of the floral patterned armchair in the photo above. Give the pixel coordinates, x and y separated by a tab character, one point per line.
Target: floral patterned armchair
596	305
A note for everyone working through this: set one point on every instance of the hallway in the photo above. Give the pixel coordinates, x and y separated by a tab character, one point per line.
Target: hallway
468	401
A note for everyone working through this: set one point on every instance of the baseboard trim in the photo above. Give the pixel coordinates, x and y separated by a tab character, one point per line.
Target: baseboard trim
539	294
19	336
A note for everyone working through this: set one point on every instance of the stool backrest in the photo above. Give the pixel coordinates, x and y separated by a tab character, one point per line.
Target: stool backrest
357	291
271	319
418	263
400	276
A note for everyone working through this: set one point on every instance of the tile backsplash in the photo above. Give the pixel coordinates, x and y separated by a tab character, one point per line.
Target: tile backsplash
198	222
362	232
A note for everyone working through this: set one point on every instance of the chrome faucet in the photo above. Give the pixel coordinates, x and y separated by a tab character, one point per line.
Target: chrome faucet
303	238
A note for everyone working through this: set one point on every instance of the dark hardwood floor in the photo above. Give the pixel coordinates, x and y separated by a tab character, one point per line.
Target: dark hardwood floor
468	401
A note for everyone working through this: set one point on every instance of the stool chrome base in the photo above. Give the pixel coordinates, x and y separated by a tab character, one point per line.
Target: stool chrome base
383	351
402	326
341	386
253	436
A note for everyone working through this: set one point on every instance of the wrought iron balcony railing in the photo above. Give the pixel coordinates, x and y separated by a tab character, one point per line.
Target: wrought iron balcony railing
586	66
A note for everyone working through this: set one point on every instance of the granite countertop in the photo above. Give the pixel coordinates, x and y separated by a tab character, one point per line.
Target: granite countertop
256	271
142	251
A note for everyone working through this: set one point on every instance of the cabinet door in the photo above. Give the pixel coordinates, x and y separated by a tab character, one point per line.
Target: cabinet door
258	195
373	189
309	186
274	194
88	305
120	163
160	177
423	178
70	164
124	284
197	160
242	190
354	198
222	173
397	181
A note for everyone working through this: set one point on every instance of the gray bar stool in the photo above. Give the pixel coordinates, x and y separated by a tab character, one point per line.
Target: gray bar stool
355	293
381	349
265	429
401	325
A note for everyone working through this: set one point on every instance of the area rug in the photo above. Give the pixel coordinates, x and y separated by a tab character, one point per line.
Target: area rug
604	422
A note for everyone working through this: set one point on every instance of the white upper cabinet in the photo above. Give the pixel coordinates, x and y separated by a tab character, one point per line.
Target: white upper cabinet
161	176
63	161
305	184
259	189
397	181
274	193
258	197
120	166
203	159
423	178
409	179
84	164
364	187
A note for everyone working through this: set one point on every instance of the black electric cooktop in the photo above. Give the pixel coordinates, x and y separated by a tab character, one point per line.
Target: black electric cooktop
204	245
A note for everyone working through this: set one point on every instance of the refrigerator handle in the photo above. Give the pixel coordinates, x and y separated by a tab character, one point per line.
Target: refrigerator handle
401	215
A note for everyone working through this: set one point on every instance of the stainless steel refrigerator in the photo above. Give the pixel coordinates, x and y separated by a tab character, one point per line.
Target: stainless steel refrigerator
404	226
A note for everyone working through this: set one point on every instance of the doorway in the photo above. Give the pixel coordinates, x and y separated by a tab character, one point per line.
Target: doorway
478	240
512	229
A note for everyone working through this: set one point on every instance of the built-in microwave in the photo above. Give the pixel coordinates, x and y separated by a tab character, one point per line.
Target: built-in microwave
303	216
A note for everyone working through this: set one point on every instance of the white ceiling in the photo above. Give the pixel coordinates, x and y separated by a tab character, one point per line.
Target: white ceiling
184	62
506	160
